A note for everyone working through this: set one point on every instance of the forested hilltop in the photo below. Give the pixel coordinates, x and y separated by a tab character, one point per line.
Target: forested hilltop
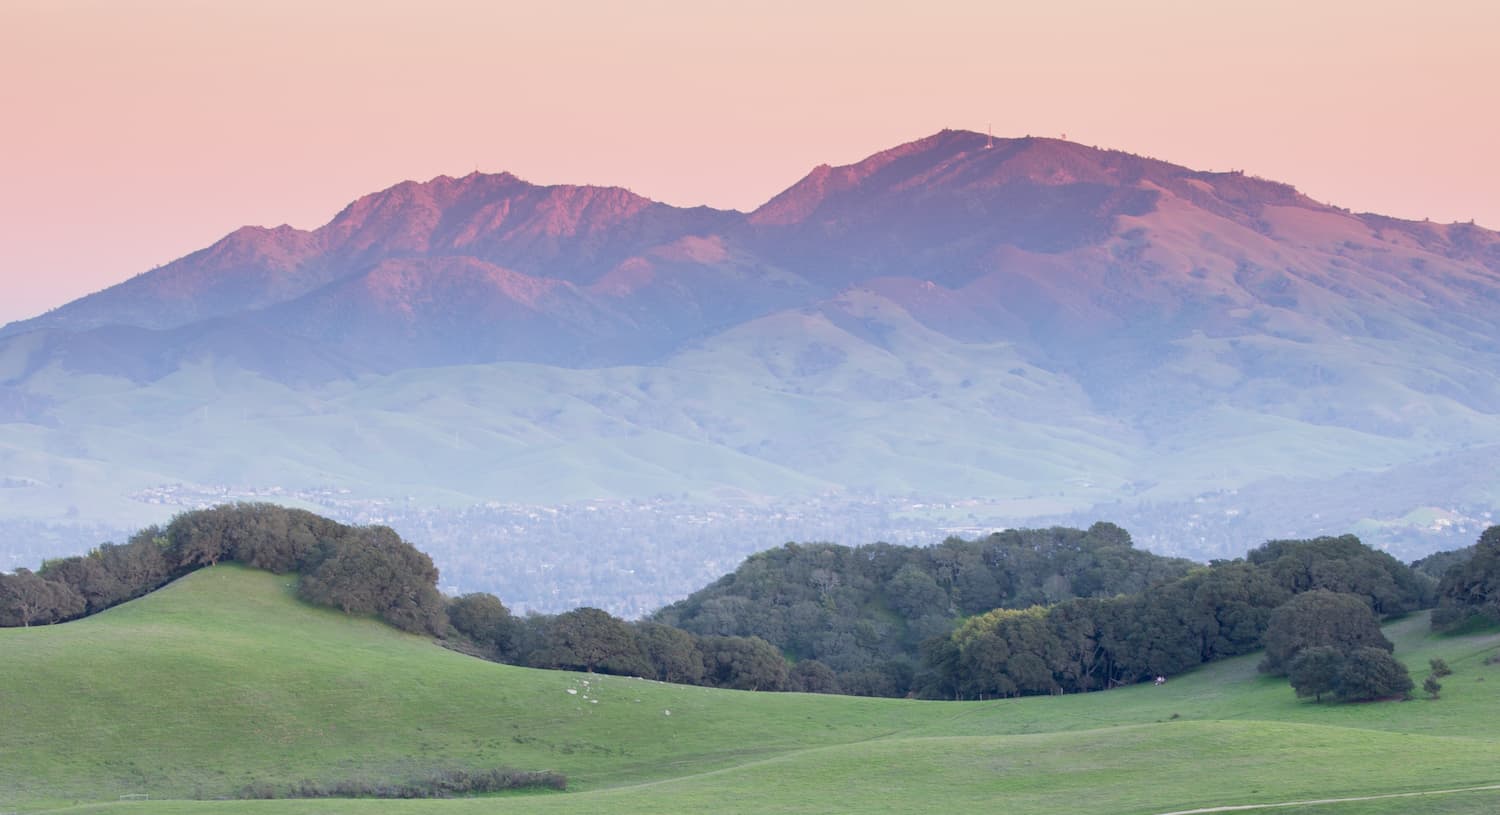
861	613
1018	612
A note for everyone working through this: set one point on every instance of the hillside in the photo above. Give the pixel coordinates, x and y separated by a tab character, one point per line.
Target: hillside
222	679
1052	332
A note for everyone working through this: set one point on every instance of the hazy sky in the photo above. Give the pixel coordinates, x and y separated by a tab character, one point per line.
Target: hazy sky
132	133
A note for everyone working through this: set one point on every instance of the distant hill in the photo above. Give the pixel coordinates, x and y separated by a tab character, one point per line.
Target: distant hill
1050	329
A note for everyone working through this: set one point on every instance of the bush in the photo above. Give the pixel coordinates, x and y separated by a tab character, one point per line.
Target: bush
1431	687
435	784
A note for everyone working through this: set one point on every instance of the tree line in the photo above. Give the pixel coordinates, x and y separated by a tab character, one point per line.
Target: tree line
863	612
1018	612
1469	589
359	569
1221	610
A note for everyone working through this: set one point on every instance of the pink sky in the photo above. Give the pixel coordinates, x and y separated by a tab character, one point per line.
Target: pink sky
136	132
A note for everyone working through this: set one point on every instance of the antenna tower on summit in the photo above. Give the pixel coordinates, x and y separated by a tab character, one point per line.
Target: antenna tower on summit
991	143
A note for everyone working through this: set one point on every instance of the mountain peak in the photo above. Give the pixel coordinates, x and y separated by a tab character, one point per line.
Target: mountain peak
962	165
956	205
949	158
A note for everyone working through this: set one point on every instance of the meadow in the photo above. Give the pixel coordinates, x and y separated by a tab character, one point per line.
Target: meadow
223	680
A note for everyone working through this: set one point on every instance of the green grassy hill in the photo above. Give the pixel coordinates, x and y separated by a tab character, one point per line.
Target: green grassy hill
223	679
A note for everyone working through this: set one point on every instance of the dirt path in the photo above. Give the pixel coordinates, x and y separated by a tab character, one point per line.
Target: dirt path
1311	802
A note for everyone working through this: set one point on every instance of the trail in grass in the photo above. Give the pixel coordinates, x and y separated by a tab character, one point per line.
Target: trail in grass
1319	801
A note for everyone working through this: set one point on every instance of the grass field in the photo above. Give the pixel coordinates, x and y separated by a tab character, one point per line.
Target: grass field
223	680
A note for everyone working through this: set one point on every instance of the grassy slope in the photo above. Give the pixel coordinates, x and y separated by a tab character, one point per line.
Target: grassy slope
222	679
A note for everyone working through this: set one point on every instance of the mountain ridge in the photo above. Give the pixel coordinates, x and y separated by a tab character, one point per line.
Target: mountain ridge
501	219
1029	320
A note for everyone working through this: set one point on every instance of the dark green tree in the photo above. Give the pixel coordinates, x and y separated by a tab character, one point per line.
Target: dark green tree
484	619
591	639
867	610
372	571
139	566
941	675
1437	564
1432	687
673	653
1319	617
279	539
1473	587
27	599
1372	673
743	663
87	576
1315	671
812	676
203	537
1079	658
114	573
1344	564
914	593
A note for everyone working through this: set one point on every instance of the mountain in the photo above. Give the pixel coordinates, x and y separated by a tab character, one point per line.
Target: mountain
1019	240
1039	328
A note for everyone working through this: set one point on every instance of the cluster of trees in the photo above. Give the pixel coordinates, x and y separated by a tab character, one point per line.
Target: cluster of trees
73	587
863	612
360	569
1470	585
590	639
1210	613
1019	612
1089	612
1328	642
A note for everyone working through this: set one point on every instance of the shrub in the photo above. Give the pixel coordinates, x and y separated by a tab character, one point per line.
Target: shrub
1431	687
442	783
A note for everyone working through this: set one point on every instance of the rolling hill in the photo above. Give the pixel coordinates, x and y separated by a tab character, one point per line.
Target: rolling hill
1056	332
222	680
